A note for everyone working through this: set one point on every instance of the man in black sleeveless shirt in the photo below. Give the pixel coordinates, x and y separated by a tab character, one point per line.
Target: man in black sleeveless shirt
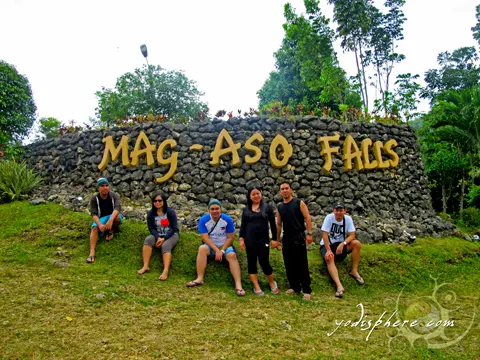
293	215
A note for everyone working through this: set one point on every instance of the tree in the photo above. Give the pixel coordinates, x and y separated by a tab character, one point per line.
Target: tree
455	117
307	71
458	70
476	28
150	90
444	166
50	127
402	104
373	37
17	108
386	32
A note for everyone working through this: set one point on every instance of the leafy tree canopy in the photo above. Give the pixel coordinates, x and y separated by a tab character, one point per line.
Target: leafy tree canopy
151	90
458	70
307	71
456	116
372	35
17	108
476	28
49	127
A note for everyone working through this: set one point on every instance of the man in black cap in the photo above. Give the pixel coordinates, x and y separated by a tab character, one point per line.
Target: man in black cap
338	240
105	208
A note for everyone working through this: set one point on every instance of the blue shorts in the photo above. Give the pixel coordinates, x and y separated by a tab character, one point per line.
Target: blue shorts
104	219
228	250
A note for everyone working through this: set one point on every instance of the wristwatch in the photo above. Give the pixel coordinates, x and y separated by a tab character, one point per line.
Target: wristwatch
345	243
309	233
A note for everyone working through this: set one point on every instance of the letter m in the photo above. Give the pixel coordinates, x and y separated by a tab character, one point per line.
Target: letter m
448	323
111	150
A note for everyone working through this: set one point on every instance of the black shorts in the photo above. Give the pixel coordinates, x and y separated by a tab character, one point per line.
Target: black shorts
333	247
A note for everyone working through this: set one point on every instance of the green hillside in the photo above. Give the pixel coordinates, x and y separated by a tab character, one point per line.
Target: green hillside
55	306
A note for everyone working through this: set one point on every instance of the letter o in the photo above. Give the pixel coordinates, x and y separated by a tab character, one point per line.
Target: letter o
279	140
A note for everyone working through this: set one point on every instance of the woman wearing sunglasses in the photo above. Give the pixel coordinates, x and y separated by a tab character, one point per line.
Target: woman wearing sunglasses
162	223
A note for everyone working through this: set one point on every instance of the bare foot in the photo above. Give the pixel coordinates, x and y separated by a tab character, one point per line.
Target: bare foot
143	270
164	276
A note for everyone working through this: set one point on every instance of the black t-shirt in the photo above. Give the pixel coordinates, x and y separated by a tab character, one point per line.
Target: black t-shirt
254	227
106	206
292	218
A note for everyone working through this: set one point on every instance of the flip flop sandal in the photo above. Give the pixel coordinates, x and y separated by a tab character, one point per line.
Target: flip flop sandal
358	279
258	292
193	283
91	259
275	290
109	236
290	292
240	292
339	293
307	297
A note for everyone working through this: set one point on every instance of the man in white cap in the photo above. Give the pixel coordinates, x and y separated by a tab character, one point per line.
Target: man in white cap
338	240
105	209
217	231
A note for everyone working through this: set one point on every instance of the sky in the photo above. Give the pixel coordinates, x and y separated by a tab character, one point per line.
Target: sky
69	49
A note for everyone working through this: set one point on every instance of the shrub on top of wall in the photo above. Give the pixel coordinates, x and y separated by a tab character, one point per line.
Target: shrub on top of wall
16	180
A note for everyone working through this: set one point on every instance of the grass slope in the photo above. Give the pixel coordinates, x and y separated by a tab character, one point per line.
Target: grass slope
107	311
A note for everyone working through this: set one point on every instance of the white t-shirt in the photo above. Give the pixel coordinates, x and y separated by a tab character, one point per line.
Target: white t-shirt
335	228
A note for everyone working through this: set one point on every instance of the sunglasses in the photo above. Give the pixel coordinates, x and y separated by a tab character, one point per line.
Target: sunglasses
157	201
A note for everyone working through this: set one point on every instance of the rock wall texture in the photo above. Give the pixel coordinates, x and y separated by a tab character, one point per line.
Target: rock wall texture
385	200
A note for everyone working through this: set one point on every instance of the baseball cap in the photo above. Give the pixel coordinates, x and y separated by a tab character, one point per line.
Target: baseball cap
338	204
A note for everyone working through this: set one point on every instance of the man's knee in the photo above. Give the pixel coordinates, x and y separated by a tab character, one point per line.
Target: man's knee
330	260
94	230
204	250
231	256
356	244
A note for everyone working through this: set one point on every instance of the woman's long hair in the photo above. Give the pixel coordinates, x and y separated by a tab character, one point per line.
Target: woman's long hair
165	205
263	206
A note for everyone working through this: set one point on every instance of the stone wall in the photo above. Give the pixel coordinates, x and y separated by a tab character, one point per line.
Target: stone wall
384	202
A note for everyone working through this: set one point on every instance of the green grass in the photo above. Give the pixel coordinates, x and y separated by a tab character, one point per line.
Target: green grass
107	311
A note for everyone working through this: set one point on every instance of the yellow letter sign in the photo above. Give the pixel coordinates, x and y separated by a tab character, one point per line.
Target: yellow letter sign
285	155
219	151
172	160
110	149
148	150
327	150
255	149
349	155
